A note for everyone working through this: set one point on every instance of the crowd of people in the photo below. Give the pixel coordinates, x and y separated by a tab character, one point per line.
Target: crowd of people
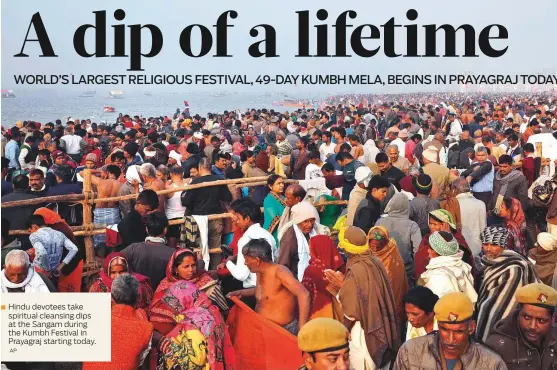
400	232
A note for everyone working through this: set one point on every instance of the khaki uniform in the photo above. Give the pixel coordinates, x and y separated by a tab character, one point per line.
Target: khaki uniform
507	340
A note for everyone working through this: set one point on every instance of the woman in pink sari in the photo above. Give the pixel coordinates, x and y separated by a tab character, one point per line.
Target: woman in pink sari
514	221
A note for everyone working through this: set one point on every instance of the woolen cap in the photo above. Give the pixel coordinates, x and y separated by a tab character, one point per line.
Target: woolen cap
323	335
453	308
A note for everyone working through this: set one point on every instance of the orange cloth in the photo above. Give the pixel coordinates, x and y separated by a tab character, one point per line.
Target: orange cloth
71	283
130	337
50	217
255	340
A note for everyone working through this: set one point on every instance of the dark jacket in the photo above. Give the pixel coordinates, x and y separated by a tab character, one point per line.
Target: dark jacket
208	200
149	259
367	213
518	188
18	215
132	229
188	164
507	340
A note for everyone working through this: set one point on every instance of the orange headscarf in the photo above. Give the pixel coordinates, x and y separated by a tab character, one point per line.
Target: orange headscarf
50	217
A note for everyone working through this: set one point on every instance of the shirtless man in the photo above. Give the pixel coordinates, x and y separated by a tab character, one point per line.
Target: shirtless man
107	213
277	292
148	174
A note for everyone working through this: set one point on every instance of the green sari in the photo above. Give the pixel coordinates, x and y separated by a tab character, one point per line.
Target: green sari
273	206
330	213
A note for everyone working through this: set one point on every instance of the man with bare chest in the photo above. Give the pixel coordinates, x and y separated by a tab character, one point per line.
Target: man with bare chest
280	297
106	212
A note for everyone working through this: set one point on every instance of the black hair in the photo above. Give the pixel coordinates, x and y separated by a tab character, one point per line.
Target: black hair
36	171
299	192
314	154
64	173
513	137
304	141
381	158
117	156
192	148
259	248
345	148
186	253
149	198
529	148
340	130
421	297
245	155
505	159
34	220
327	133
328	167
247	208
20	182
341	156
215	139
156	223
177	170
113	169
131	149
378	182
354	138
5	163
272	179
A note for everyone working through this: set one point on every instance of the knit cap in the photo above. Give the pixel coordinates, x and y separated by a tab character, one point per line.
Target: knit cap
442	247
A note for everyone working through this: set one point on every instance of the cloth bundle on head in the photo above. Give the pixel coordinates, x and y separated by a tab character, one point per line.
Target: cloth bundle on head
363	175
496	235
403	134
304	211
441	246
547	241
353	240
175	155
431	154
442	215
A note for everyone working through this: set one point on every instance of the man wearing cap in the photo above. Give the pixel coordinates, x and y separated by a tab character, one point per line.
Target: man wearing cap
400	142
527	339
545	255
362	175
452	347
324	345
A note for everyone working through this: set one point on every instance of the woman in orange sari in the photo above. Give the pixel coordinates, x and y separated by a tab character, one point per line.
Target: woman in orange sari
70	278
323	256
384	247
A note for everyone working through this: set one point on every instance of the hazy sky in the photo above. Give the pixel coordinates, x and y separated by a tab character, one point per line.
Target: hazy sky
532	35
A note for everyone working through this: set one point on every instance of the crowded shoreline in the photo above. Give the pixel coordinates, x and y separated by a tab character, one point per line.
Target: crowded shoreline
423	225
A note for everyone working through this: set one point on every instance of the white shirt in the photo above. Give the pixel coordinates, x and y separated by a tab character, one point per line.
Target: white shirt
239	270
325	150
401	146
473	216
313	171
72	143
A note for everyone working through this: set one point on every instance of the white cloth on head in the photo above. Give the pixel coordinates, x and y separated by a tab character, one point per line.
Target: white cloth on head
203	225
175	155
33	283
370	152
303	249
239	270
547	241
363	174
304	211
431	154
314	188
133	174
198	135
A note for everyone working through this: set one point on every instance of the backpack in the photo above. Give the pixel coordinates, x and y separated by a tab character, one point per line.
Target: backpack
543	194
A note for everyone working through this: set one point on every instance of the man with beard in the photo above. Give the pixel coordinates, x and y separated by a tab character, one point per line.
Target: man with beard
505	272
526	338
37	182
452	347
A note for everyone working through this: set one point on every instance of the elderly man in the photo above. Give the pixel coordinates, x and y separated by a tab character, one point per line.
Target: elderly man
277	291
505	272
400	142
396	159
324	345
19	275
470	213
148	174
294	238
452	346
362	176
293	195
527	339
480	176
439	173
131	331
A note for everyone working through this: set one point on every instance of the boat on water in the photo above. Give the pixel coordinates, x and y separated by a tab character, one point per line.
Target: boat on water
6	94
108	109
116	94
294	103
88	94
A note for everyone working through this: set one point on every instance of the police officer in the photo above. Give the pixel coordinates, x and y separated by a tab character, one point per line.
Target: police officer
527	339
324	345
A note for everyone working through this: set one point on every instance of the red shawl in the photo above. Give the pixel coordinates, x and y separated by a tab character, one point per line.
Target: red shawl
324	255
516	224
171	277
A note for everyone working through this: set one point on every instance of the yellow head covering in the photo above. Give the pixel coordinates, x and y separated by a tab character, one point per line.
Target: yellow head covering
351	241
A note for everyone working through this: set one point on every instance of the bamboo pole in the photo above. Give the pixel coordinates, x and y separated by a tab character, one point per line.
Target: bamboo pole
88	217
33	202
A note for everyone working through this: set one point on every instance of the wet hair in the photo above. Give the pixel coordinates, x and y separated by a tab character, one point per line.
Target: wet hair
113	169
421	297
381	158
34	220
125	290
258	248
247	208
156	223
149	198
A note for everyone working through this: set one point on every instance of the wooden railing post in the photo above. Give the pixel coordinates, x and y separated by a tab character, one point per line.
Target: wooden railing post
88	217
